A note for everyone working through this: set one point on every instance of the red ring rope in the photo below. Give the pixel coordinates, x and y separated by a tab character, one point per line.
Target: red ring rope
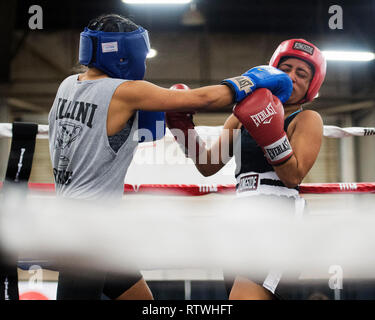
197	190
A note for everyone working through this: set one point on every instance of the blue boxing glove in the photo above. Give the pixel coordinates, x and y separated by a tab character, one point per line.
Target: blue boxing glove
277	81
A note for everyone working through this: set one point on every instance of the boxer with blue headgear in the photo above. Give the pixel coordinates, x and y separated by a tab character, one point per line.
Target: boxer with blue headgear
98	115
121	54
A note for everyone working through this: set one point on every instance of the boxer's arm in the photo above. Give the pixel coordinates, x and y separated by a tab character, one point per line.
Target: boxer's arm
305	138
143	95
221	151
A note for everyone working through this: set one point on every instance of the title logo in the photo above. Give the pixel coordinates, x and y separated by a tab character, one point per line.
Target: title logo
248	183
303	47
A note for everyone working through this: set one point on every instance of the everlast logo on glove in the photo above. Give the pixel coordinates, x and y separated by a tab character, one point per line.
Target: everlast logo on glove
244	83
264	115
303	47
278	150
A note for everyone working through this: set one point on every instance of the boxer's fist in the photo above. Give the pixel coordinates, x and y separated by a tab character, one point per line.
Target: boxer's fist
182	127
179	86
180	119
262	114
268	77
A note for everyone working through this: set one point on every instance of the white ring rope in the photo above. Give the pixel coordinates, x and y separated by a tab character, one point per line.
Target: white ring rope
337	132
174	233
328	131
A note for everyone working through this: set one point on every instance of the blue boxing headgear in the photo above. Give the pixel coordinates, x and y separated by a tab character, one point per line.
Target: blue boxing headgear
118	54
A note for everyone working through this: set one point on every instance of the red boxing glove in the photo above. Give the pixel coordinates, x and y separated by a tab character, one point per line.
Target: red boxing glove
262	114
182	127
179	86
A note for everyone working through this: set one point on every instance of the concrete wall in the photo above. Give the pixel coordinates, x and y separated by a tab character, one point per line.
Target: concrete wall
365	150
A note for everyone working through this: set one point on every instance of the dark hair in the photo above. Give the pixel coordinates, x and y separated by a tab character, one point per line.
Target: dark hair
112	23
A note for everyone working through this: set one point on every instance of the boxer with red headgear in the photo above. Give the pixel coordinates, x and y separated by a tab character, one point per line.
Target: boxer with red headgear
307	52
275	144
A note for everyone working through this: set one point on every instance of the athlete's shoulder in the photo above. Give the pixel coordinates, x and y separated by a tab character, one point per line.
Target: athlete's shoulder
310	116
128	88
307	122
73	77
68	81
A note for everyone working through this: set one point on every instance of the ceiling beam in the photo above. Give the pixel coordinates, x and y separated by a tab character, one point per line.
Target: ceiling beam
24	105
47	60
348	107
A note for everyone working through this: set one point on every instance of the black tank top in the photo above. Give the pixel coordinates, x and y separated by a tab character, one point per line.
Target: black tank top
252	157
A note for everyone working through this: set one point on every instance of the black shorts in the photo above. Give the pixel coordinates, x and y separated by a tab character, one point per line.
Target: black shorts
90	285
116	284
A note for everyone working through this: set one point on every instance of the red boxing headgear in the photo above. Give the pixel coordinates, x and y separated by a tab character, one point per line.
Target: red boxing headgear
179	86
302	49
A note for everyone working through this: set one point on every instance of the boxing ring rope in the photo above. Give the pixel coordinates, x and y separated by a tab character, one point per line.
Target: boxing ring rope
199	190
328	131
195	189
173	232
196	228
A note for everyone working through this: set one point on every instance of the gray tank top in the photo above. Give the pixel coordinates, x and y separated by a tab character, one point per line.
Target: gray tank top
84	164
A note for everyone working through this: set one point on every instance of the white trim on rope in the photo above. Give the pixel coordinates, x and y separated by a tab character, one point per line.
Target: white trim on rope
337	132
328	131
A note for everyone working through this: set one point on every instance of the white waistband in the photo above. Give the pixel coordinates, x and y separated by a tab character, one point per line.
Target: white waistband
249	184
